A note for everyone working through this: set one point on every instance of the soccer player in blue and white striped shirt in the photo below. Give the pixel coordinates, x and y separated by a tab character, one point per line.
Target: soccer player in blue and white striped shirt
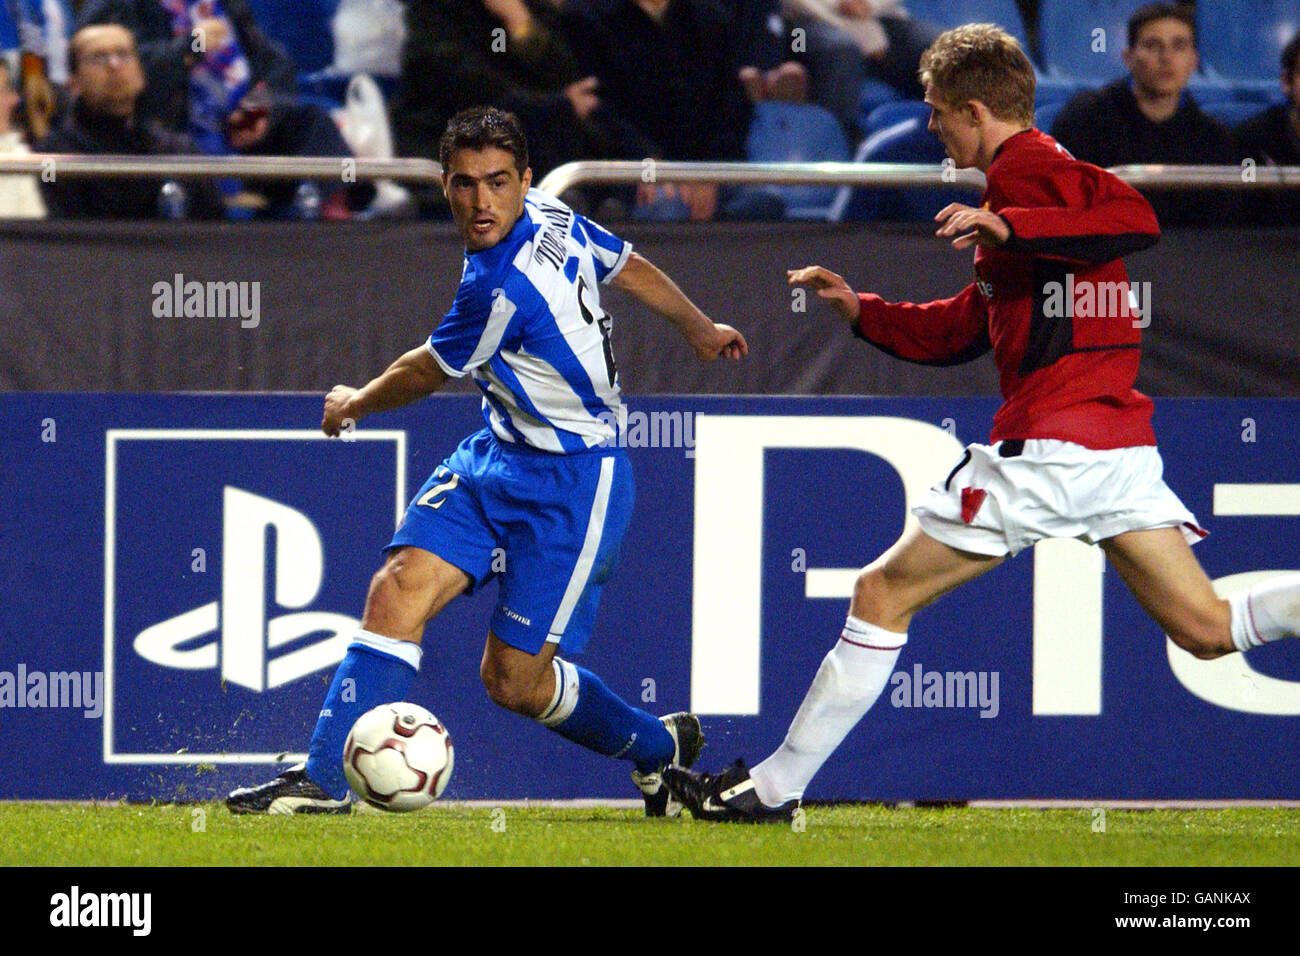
545	481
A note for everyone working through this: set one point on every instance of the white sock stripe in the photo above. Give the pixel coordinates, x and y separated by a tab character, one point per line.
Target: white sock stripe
555	694
862	633
405	651
566	694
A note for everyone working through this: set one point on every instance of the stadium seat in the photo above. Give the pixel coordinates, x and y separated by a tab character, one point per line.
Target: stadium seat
1206	90
873	94
797	133
907	141
1049	88
891	114
1233	112
1083	40
1045	115
953	13
302	27
8	29
1241	43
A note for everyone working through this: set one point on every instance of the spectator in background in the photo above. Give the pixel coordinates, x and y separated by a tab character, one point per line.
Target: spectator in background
769	71
190	52
106	82
681	89
512	54
34	35
20	197
851	41
1150	117
214	75
1273	139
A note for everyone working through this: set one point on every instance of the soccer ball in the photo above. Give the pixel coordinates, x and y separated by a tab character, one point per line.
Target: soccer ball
398	757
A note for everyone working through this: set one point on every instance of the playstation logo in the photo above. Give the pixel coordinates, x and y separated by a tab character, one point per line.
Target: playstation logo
242	641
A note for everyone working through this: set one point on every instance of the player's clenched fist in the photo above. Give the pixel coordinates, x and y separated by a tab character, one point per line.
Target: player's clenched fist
336	410
720	341
830	287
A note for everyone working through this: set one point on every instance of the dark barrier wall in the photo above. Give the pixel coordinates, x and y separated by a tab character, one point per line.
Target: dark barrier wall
82	307
181	574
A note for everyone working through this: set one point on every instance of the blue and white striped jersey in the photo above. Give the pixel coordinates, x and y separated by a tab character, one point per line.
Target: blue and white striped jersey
527	324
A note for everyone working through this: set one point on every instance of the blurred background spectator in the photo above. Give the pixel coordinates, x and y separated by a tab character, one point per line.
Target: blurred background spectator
1273	139
34	41
1150	117
106	83
853	42
20	197
199	59
513	54
681	90
213	74
769	68
714	80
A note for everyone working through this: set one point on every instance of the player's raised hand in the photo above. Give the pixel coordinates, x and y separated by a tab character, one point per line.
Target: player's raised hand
719	341
336	410
972	226
830	287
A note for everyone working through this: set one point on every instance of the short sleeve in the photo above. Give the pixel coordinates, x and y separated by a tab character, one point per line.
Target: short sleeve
608	252
470	333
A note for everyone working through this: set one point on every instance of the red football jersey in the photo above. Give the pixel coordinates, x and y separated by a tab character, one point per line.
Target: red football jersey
1052	302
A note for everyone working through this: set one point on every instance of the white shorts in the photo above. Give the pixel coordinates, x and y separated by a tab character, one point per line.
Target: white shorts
997	503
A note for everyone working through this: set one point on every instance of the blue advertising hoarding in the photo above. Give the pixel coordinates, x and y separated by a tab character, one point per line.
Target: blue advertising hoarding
181	572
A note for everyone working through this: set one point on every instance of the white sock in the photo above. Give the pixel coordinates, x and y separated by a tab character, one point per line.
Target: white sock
403	650
848	682
1267	612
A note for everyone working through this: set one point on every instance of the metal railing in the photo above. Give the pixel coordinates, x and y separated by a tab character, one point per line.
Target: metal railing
424	171
904	175
216	167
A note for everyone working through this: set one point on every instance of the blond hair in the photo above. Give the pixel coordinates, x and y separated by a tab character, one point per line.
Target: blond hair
982	62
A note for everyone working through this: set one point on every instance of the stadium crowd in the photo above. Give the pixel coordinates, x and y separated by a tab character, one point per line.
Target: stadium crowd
696	80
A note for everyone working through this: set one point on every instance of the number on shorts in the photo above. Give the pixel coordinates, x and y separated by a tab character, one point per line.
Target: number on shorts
436	490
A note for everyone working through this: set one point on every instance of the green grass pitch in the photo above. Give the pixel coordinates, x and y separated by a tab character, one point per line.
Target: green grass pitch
482	835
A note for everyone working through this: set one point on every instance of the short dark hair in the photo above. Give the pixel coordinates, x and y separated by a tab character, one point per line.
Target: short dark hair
1182	12
1290	55
480	127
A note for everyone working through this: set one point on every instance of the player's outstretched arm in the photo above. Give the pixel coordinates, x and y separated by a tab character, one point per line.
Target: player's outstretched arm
831	289
409	379
943	332
641	279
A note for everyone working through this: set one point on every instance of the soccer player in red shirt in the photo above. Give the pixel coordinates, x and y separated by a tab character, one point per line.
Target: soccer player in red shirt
1072	453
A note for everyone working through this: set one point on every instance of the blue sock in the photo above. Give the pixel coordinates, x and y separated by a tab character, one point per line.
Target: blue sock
587	712
376	670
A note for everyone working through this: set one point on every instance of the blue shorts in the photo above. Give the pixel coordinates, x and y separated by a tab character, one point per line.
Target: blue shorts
547	526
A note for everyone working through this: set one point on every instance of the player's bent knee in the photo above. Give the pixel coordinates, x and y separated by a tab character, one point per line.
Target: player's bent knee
874	599
505	690
394	606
